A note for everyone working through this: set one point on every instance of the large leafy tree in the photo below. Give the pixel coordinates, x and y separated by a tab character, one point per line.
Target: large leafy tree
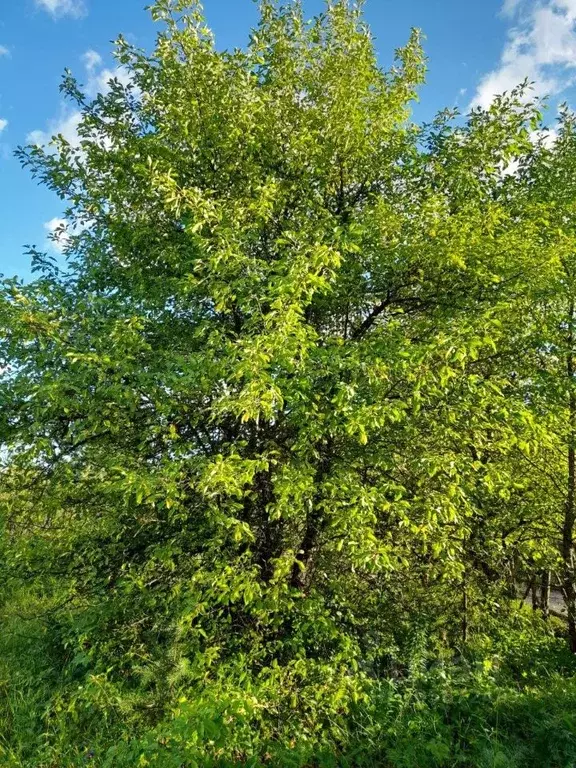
269	405
549	371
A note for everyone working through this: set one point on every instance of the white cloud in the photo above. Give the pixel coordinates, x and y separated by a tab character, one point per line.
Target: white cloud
4	51
547	137
3	124
66	124
540	47
510	7
91	60
97	81
56	8
98	77
58	235
101	82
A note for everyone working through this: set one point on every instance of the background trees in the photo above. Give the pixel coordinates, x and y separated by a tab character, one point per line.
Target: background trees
295	419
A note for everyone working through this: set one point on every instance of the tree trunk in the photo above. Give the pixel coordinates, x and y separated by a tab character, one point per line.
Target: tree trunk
545	594
464	612
534	591
268	545
302	569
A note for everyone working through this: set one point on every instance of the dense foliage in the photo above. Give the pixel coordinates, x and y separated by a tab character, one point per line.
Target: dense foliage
289	434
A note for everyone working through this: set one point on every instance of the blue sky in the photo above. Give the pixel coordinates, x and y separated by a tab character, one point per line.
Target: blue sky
476	48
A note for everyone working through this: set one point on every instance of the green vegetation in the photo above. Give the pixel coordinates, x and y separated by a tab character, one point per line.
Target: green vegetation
289	435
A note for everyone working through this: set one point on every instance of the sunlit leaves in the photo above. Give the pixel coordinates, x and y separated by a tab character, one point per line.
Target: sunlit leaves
285	395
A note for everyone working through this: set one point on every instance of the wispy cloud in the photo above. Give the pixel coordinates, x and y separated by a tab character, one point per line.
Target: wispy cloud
99	77
57	8
66	125
510	6
92	60
546	137
4	51
98	80
3	124
58	235
541	46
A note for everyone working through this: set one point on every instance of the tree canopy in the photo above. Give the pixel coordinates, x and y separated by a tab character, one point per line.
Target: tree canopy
295	416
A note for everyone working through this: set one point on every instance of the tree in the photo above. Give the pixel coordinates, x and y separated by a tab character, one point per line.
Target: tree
548	185
274	381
